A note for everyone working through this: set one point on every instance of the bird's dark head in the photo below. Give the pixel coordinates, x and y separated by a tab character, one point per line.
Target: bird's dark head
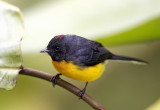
56	48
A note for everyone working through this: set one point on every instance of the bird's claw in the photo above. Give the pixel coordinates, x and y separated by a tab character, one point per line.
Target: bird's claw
54	79
81	93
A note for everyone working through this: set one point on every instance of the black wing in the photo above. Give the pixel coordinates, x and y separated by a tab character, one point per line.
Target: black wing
91	54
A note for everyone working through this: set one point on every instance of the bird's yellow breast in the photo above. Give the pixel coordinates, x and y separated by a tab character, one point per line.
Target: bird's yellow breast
84	74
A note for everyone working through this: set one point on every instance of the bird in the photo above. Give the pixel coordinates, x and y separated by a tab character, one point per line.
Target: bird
80	59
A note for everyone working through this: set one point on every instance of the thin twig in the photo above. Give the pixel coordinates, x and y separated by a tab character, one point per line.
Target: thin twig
46	76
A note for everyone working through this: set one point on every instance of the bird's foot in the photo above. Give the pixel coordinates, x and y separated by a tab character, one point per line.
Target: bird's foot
54	79
81	93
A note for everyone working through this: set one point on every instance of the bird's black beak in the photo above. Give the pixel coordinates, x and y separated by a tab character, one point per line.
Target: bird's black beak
44	50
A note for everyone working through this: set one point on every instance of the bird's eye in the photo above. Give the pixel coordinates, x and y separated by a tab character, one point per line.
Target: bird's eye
96	51
56	48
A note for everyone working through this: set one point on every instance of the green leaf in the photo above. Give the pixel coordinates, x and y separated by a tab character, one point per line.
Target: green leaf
11	30
148	31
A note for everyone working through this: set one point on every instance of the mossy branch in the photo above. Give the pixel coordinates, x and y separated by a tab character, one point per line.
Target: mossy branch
46	76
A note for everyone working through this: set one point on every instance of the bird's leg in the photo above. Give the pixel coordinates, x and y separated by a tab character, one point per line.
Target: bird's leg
82	92
54	79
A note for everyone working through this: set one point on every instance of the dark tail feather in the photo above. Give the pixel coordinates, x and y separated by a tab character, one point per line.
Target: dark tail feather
133	60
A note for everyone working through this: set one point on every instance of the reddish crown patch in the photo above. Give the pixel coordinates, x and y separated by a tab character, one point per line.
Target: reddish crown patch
59	36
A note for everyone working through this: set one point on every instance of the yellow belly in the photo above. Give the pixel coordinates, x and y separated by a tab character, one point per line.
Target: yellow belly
84	74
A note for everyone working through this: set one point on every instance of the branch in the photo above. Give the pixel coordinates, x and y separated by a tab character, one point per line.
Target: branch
64	84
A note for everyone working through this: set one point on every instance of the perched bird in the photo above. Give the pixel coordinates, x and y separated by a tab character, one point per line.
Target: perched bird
79	58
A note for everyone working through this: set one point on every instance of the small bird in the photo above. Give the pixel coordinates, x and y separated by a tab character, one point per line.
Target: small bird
79	58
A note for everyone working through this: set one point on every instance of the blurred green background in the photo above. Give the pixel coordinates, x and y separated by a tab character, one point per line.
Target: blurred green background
130	28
